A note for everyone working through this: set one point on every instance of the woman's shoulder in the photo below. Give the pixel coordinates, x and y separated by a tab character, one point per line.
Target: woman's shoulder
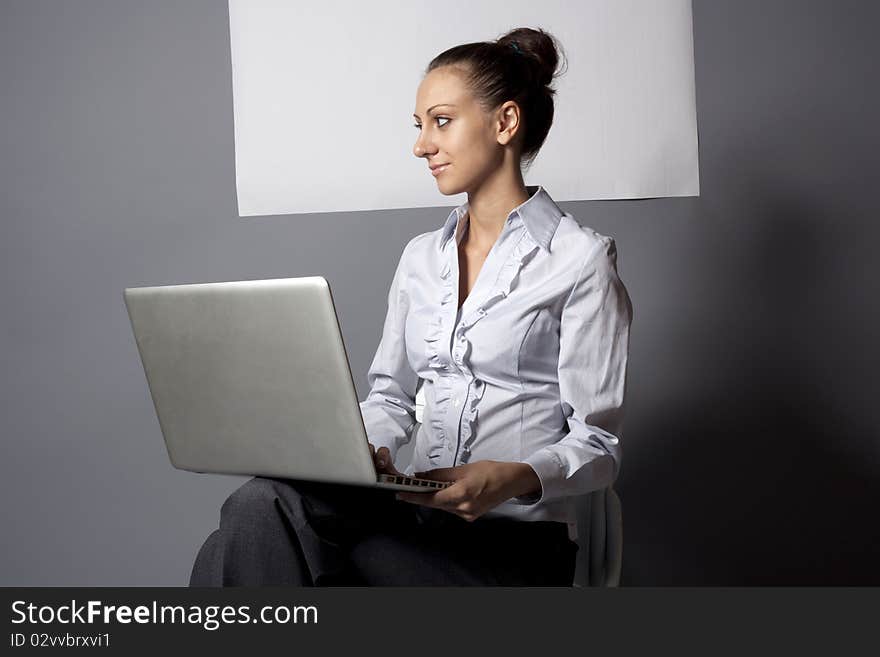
424	241
420	246
576	243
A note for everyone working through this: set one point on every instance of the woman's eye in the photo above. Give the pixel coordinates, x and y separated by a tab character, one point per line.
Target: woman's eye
417	125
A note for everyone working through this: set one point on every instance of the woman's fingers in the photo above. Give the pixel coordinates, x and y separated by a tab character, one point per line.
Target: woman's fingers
382	459
384	463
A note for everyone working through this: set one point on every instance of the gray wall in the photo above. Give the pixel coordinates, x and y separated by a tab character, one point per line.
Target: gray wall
751	444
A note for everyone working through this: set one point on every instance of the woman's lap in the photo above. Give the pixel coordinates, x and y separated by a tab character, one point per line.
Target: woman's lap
312	533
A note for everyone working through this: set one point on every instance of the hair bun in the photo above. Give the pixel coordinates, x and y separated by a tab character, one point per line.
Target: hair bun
539	46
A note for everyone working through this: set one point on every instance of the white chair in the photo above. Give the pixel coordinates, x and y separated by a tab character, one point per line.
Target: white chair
599	519
600	539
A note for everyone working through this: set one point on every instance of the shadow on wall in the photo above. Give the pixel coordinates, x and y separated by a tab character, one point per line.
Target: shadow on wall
765	469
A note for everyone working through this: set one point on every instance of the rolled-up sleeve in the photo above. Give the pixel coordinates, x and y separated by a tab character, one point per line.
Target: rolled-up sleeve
593	350
389	409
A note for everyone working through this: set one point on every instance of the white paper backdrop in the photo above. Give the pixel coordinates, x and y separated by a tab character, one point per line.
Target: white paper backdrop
321	88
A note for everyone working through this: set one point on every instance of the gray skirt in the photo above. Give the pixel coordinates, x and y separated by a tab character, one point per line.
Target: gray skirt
285	532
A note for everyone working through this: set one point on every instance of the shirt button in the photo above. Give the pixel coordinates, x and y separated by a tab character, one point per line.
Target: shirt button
455	402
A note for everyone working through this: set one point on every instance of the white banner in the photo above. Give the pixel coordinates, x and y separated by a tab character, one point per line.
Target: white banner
324	94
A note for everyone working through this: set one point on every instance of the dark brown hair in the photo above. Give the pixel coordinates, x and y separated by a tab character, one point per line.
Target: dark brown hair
519	66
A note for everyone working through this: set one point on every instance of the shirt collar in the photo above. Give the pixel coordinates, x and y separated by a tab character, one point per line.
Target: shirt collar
539	213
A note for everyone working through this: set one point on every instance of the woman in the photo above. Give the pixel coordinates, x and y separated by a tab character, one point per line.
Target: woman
518	330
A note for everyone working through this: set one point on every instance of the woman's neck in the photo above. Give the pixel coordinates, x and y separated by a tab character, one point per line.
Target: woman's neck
488	210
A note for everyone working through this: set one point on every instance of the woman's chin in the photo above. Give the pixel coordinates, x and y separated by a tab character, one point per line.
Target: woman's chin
447	189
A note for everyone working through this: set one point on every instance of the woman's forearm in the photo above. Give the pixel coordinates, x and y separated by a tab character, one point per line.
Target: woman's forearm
520	478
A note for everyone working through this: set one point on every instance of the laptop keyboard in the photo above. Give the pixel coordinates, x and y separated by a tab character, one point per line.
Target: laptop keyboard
412	481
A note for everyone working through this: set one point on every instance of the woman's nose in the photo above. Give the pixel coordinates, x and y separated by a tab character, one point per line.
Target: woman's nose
421	147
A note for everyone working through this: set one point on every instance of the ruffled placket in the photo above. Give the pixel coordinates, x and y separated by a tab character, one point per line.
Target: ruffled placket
442	378
505	282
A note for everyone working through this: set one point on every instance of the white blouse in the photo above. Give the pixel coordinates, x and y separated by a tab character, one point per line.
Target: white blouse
531	369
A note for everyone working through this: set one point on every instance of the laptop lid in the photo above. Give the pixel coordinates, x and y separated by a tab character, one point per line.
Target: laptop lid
252	377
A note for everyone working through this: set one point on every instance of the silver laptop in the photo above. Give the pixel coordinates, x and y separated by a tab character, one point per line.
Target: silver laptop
252	377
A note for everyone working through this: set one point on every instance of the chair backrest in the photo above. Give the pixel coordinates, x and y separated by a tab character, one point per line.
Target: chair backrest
600	539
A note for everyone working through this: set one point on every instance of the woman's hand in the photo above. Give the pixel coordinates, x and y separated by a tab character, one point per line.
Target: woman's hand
382	459
479	487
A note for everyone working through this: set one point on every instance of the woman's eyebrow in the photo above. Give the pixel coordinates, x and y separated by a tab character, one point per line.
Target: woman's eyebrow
435	106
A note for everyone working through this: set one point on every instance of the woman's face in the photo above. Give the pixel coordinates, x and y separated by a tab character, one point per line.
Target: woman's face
455	131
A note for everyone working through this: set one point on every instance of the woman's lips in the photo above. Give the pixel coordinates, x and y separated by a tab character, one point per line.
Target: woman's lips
436	172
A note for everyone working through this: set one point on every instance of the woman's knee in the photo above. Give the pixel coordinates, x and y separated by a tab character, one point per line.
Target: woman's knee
253	499
205	570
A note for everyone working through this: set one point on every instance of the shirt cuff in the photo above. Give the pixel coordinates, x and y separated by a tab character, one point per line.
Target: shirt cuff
549	469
